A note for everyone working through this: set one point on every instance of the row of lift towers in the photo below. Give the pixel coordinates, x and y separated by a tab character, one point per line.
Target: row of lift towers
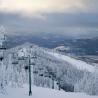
3	48
3	44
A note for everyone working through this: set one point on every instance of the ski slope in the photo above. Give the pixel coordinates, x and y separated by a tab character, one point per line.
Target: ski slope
81	65
39	92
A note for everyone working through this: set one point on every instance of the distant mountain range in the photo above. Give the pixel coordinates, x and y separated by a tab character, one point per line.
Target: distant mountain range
79	46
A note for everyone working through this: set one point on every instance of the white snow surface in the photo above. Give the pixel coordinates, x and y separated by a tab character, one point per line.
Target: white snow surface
81	65
39	92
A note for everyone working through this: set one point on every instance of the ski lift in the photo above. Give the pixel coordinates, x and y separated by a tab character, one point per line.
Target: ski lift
34	57
1	58
26	67
33	60
1	55
15	55
21	55
46	74
41	75
15	62
14	59
57	83
35	72
2	43
2	48
40	68
49	76
22	58
32	63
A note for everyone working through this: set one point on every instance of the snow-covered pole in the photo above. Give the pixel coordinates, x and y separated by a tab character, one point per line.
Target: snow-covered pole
27	56
52	82
59	85
29	68
30	86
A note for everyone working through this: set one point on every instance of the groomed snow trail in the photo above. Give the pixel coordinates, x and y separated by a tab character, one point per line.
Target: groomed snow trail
39	92
81	65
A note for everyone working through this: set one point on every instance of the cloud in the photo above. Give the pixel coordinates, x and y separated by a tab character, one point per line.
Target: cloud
36	7
91	5
54	23
54	16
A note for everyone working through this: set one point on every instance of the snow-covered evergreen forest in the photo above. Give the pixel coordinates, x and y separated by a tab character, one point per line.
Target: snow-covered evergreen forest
49	69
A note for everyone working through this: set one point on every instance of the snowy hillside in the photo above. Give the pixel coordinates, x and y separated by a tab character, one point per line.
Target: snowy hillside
49	70
77	63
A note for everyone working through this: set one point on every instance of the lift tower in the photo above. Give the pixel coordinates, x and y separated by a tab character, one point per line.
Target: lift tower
2	43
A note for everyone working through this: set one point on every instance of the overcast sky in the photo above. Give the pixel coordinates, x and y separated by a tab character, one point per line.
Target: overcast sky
50	16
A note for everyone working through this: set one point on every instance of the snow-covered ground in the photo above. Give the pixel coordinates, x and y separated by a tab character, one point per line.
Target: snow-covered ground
81	65
39	92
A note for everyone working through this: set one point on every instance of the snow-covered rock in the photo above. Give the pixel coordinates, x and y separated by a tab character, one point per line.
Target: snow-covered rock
62	48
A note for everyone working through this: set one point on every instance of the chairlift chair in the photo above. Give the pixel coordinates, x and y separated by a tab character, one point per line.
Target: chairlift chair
40	68
32	63
21	55
35	72
15	62
2	44
1	58
26	67
22	58
41	75
34	57
1	55
2	48
49	76
57	83
46	75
